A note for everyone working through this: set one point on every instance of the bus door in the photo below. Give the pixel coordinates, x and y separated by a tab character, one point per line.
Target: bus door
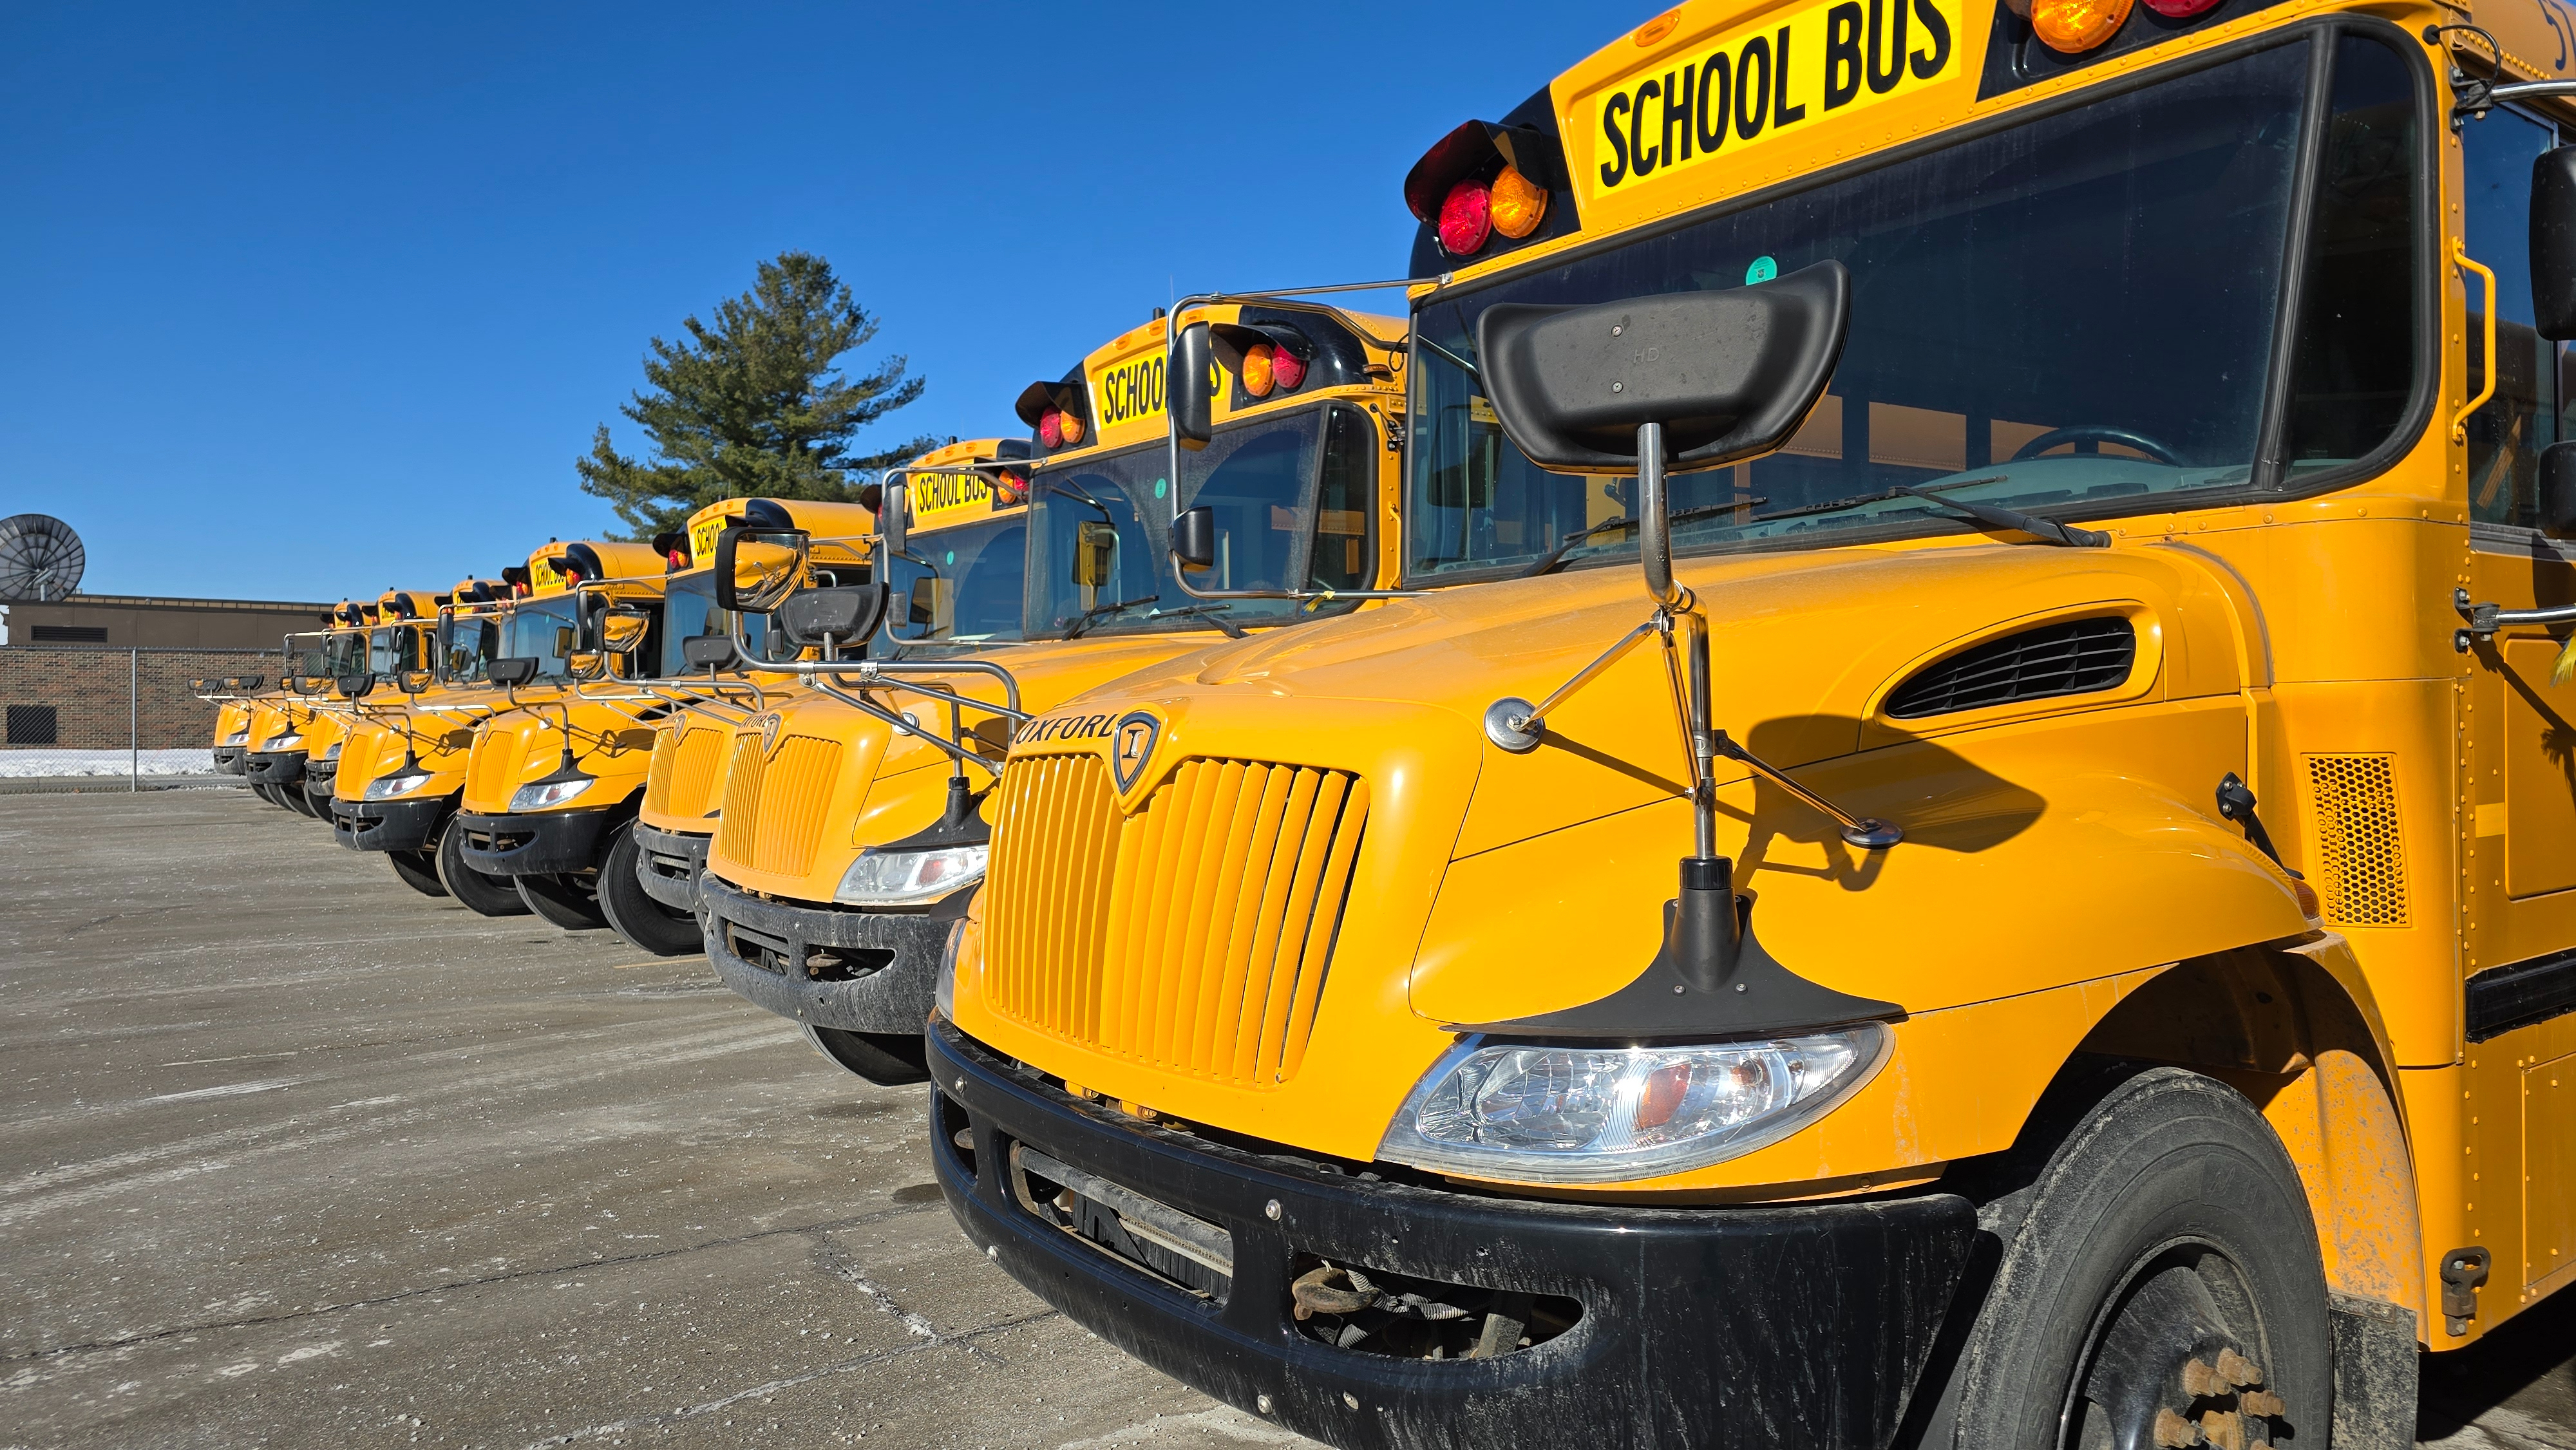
2519	815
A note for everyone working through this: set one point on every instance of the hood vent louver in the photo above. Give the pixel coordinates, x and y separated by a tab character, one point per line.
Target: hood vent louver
2076	657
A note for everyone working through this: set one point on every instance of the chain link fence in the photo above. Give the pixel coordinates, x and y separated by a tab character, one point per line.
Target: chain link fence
88	719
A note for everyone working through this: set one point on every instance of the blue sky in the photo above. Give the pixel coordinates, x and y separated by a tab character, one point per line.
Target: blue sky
307	300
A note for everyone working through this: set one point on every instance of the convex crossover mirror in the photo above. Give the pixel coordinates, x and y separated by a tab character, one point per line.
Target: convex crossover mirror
356	686
623	629
513	670
1194	538
755	569
587	665
415	681
707	651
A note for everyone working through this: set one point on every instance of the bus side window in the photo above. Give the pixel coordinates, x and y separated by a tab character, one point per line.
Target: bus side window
2507	433
1344	553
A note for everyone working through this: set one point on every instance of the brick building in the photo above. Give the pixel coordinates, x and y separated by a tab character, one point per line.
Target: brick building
111	671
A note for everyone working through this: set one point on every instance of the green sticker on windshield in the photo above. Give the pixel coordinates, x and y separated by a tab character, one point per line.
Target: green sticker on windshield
1158	488
950	558
1762	270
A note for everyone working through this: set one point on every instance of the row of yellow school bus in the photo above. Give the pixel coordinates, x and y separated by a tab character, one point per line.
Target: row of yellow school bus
1896	773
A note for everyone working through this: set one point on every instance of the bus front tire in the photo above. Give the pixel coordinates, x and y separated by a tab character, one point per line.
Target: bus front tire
2163	1277
567	901
646	924
418	870
483	895
884	1058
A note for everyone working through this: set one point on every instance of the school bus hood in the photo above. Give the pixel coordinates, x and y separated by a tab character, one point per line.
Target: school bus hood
1486	886
833	780
518	746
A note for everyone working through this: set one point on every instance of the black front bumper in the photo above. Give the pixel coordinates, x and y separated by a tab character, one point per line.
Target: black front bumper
542	842
228	759
276	767
389	825
667	865
1801	1325
860	971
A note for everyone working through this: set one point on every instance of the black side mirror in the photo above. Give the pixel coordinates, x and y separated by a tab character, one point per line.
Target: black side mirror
415	681
848	614
1189	388
2558	490
1194	538
512	671
707	651
894	514
247	683
2553	244
921	602
1727	375
356	686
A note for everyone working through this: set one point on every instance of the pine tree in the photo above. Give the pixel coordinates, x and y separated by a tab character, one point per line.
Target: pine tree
752	405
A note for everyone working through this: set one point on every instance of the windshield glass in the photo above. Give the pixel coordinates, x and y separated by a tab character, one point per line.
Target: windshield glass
392	651
543	630
2075	310
689	609
324	656
960	585
1100	527
468	642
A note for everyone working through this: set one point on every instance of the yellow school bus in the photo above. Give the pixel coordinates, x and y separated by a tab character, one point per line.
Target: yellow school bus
402	627
402	771
1968	840
644	889
554	781
274	753
693	746
853	824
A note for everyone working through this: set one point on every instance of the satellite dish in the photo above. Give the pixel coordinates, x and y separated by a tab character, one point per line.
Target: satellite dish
40	557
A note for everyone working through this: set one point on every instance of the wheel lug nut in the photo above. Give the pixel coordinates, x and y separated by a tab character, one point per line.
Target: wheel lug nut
2224	1430
2262	1402
2201	1379
2238	1369
2174	1432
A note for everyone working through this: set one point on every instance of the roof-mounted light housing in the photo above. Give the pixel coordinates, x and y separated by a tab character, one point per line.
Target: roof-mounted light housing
1058	413
1484	180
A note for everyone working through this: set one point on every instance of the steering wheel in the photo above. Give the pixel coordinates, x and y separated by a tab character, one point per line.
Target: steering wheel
2082	433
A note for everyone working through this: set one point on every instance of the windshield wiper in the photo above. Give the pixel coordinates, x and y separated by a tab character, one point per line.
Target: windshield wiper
1102	611
1556	558
1212	613
1994	516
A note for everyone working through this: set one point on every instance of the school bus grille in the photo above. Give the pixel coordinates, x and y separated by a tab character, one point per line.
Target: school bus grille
684	777
774	805
1191	936
2360	862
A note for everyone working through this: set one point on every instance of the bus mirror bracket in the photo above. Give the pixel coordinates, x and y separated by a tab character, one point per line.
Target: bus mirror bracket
1639	388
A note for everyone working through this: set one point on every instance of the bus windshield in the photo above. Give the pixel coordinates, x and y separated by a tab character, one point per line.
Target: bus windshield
1279	487
960	585
326	656
543	630
2070	313
393	651
689	609
468	643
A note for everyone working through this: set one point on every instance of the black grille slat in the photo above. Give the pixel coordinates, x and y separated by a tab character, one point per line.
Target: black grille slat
2077	657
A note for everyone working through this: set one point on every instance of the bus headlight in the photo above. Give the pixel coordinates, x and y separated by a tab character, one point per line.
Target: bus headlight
538	795
910	878
333	753
1612	1114
964	939
387	787
277	743
238	737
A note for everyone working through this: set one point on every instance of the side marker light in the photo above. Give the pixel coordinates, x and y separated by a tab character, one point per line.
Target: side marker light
1518	204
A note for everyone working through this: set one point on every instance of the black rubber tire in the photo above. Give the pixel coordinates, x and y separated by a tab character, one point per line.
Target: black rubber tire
646	924
2167	1224
298	802
267	793
476	892
318	807
885	1058
570	902
418	870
